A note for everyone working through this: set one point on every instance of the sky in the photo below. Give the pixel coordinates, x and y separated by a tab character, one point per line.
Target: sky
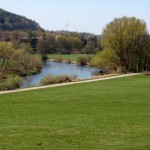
81	15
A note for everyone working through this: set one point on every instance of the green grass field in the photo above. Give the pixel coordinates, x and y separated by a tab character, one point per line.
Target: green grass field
72	57
103	115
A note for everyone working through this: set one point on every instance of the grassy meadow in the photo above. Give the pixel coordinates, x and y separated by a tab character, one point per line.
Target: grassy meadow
103	115
72	57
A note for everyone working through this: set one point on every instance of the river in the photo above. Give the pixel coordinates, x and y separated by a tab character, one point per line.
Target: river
54	68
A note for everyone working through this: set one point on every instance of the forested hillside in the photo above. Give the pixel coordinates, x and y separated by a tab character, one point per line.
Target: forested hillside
11	22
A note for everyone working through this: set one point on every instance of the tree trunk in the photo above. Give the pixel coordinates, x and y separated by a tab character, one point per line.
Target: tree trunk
121	69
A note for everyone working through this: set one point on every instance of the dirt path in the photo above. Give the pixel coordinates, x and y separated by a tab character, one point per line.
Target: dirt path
70	83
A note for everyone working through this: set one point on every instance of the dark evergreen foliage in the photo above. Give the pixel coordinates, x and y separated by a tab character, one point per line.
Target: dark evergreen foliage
11	22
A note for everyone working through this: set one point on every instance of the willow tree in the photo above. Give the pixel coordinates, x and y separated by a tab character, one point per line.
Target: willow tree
6	53
126	41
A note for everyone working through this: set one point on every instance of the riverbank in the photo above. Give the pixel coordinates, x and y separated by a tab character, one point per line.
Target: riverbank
70	57
78	59
70	83
58	69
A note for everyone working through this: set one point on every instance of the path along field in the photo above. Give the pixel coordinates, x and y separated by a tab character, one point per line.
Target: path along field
102	115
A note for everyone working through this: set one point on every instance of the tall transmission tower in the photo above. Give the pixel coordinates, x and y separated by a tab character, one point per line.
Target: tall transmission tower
67	26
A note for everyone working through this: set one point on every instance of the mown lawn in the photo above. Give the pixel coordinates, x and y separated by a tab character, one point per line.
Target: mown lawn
103	115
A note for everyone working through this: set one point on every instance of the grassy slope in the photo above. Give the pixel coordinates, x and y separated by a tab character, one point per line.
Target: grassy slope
104	115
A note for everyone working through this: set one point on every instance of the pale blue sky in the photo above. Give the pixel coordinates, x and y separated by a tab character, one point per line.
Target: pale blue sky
82	15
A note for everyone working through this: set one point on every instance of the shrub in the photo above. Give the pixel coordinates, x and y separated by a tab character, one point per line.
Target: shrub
59	59
49	79
36	63
83	60
104	60
146	73
24	63
11	83
68	61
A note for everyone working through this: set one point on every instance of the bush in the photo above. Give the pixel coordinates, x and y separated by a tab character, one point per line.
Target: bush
24	63
36	63
49	79
146	73
83	60
59	59
11	83
104	59
68	61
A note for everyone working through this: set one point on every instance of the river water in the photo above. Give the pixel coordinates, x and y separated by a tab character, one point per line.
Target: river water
54	68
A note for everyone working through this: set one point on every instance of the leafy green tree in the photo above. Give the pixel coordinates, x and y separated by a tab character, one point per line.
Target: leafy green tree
32	39
124	40
51	43
42	47
91	46
17	61
61	41
6	53
105	59
75	42
23	63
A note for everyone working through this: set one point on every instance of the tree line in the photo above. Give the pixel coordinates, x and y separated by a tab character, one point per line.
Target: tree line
41	41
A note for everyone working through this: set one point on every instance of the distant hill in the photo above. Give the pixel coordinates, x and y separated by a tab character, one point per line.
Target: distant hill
11	22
